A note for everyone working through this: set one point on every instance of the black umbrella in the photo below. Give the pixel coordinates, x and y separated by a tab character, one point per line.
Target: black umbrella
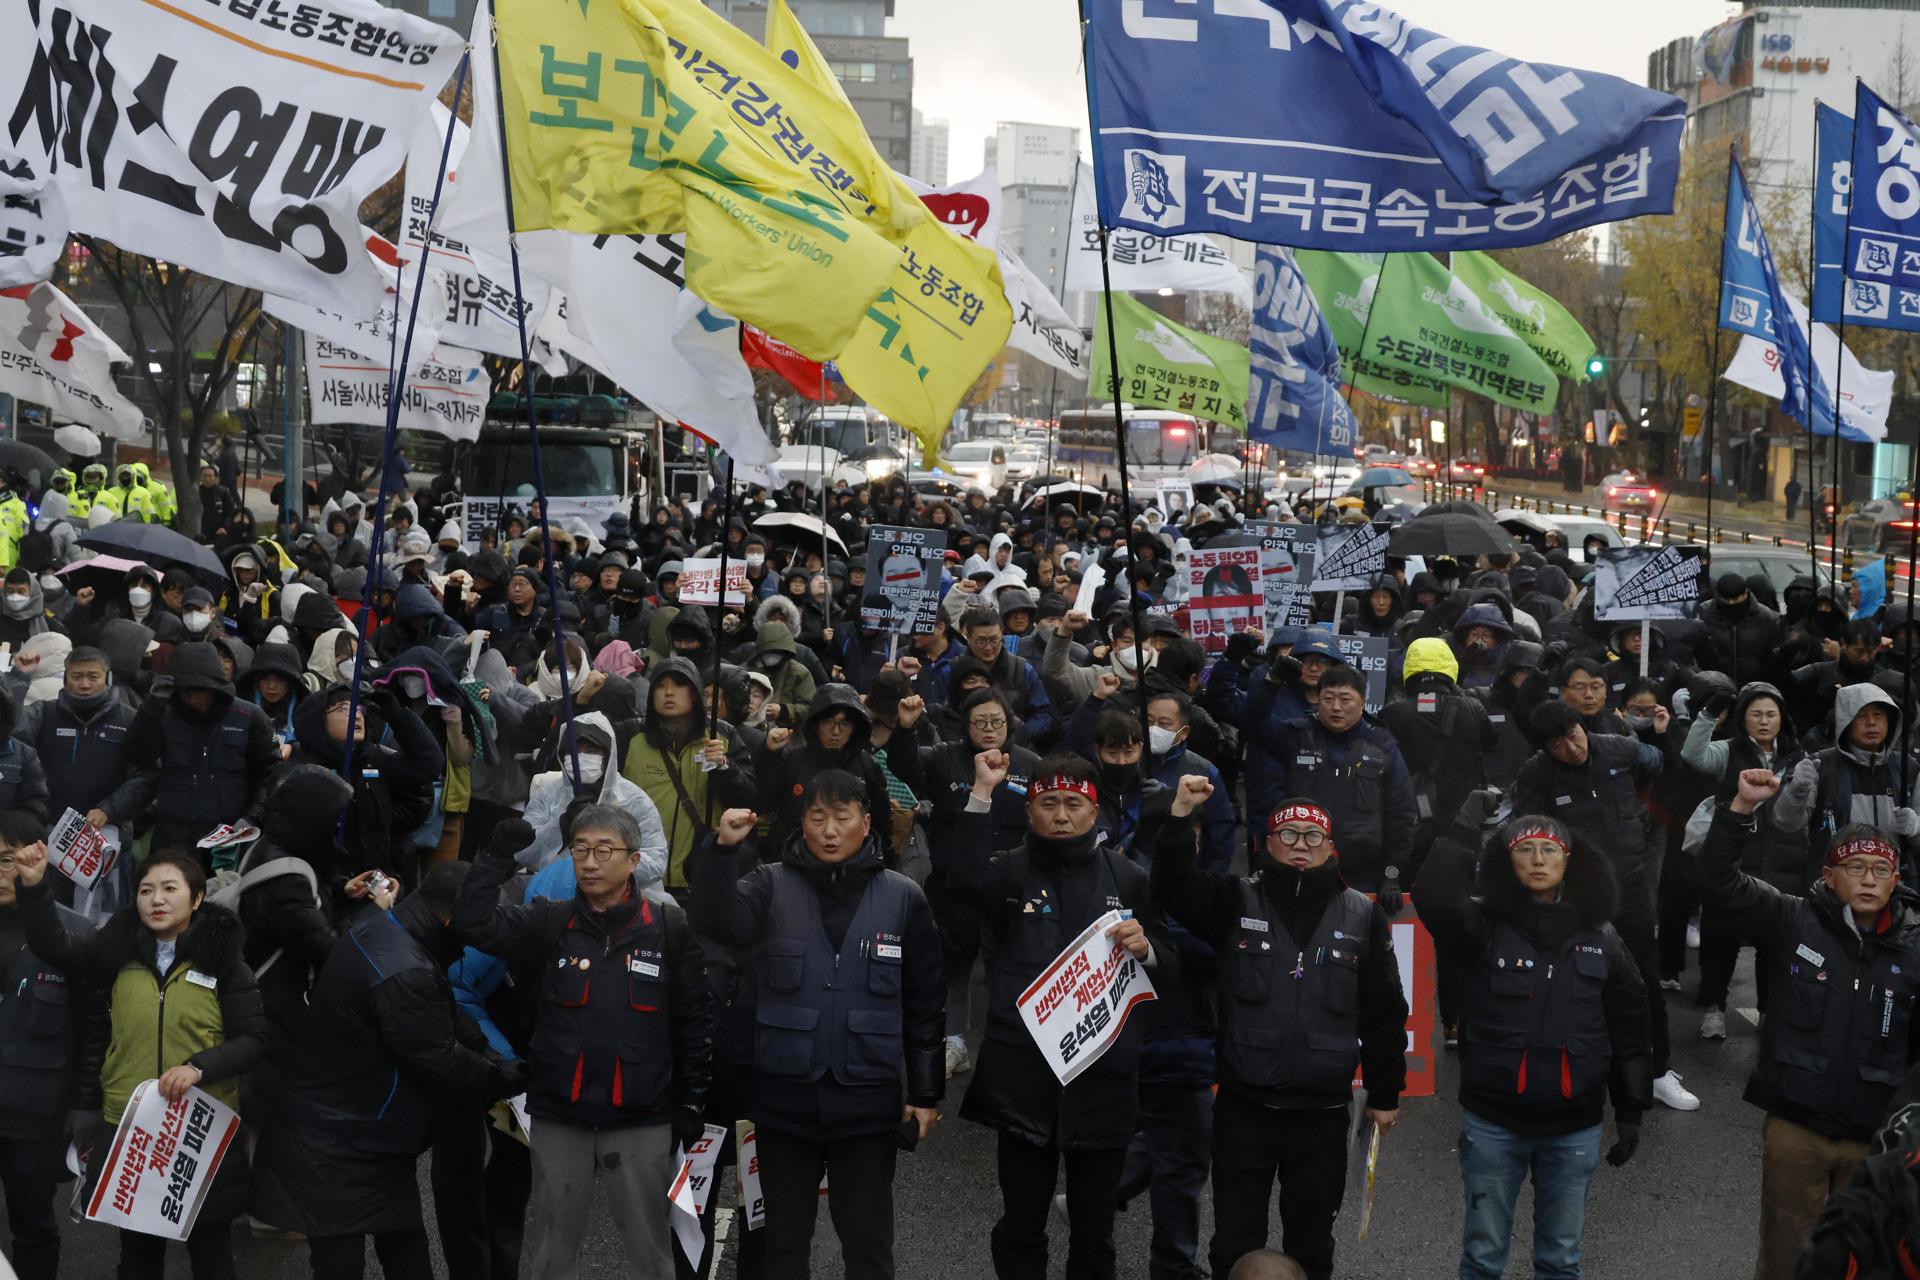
1457	506
157	545
29	461
1451	533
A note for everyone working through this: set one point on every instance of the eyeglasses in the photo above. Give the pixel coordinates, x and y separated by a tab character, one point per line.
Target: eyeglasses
1875	870
1294	838
6	862
989	725
597	852
1586	686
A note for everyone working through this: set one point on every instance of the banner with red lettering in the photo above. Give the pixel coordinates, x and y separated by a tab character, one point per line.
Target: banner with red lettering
163	1160
1224	594
1077	1008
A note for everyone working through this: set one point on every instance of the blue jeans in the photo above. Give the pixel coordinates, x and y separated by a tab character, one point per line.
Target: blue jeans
1493	1164
1172	1139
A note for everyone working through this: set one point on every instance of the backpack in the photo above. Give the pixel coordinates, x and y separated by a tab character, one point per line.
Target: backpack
36	551
226	888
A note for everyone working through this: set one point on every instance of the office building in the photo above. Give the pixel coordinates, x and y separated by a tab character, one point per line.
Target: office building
928	160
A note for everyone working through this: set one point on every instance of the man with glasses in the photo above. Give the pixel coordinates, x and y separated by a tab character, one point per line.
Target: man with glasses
1583	686
1840	1035
1308	990
622	1038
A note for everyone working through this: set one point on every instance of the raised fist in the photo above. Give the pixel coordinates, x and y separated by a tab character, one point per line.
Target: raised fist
1194	792
736	825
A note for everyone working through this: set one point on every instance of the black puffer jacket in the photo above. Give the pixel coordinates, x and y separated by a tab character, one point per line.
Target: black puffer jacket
393	777
783	774
209	767
1464	910
1744	638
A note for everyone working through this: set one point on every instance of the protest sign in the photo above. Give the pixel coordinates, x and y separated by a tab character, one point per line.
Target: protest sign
1224	595
1368	655
746	1167
691	1187
1350	557
447	396
163	1159
80	853
1632	584
700	582
1287	553
1175	499
903	579
480	513
1076	1009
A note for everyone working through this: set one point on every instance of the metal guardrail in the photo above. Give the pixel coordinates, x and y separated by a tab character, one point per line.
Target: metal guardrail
1626	522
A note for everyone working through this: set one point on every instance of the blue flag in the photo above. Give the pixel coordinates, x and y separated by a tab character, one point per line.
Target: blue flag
1293	399
1883	240
1832	187
1335	124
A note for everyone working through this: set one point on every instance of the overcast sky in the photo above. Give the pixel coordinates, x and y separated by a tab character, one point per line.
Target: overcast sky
977	62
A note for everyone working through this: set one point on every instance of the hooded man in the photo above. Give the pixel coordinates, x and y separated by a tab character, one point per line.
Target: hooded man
685	770
1479	637
1744	633
93	482
1380	608
1815	686
774	656
379	1050
850	1009
393	773
1858	779
1444	737
835	733
595	781
253	602
1840	1035
52	542
417	619
209	753
1292	1035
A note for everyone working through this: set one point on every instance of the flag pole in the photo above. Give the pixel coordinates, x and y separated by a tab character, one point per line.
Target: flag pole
1119	417
1813	275
533	424
1366	326
396	384
1713	360
826	552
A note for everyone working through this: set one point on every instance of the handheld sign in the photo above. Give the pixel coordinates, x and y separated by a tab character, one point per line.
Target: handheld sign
903	579
1224	595
163	1159
688	1193
80	853
700	582
1287	554
1076	1009
1368	655
1633	584
1350	558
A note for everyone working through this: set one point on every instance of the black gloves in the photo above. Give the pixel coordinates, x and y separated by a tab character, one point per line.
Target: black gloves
1241	646
86	1126
688	1128
508	838
1720	701
1554	655
1628	1143
1477	810
1390	897
1286	669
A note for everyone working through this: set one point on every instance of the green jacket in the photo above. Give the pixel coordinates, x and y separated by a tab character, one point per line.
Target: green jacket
792	683
205	1012
652	763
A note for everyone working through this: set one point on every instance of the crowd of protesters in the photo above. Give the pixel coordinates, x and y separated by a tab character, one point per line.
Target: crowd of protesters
518	824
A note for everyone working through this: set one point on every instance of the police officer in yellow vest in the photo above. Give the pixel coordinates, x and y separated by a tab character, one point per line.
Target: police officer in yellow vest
128	499
93	482
13	520
160	504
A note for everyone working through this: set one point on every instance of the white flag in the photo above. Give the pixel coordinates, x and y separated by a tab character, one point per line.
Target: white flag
1140	261
374	335
33	223
1866	395
970	208
235	139
1041	326
52	354
448	396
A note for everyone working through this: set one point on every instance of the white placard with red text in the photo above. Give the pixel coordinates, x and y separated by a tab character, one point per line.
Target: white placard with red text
700	582
163	1160
691	1186
1076	1009
78	852
1224	594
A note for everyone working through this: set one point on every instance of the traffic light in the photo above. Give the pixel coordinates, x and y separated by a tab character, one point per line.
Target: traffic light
1596	367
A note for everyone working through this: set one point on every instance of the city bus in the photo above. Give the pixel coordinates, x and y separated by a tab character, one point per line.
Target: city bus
1161	445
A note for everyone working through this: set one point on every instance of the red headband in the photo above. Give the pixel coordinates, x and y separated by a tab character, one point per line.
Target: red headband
1300	813
1061	782
1863	847
1536	831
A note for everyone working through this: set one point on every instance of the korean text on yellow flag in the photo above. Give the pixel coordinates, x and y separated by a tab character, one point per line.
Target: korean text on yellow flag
944	316
631	116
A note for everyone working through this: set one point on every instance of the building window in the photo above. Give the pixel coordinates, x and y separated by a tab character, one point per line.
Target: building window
440	8
855	72
902	72
901	113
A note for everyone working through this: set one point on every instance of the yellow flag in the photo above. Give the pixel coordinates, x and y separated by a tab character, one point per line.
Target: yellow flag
657	116
944	315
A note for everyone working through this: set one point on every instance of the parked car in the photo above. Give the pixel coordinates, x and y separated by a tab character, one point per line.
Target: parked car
1781	565
1586	535
1884	524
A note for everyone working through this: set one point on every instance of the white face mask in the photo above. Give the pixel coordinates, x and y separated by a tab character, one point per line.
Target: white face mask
1160	741
18	606
139	597
50	583
592	768
198	622
414	686
755	559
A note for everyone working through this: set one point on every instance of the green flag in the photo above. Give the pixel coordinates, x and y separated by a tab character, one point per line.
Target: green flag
1424	324
1535	315
1168	366
1345	285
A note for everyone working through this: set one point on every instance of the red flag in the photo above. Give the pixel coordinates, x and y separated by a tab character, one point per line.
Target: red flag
806	377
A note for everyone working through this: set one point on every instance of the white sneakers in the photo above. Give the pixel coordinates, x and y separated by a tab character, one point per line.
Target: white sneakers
1669	1090
957	1061
1713	1024
1693	934
1669	984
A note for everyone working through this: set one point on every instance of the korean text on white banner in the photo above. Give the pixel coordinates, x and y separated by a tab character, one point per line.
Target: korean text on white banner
903	579
1287	554
51	353
1350	557
700	582
274	122
494	511
448	396
78	852
691	1187
163	1159
1368	656
1223	594
1143	261
746	1167
1634	584
1077	1008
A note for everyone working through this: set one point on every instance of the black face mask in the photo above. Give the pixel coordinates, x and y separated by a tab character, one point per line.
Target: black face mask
87	703
1118	777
